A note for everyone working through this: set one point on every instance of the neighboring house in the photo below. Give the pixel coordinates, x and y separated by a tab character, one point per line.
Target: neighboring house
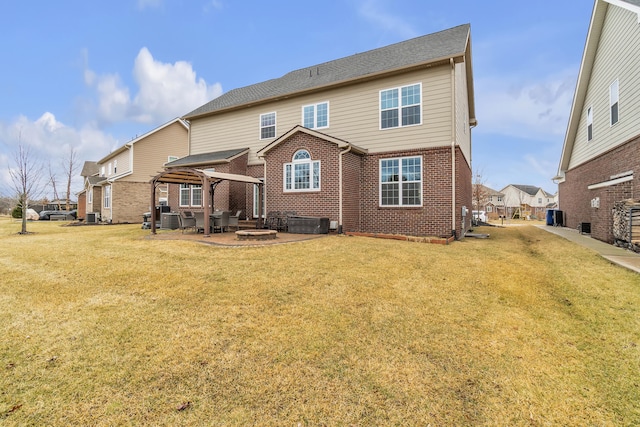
527	201
90	174
378	142
118	189
600	162
488	200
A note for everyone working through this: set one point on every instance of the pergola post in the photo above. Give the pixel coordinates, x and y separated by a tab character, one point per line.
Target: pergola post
208	202
153	206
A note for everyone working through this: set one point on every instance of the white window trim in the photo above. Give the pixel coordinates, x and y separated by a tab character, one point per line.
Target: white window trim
399	88
612	103
191	189
400	205
589	123
311	163
256	192
194	188
106	199
315	114
275	125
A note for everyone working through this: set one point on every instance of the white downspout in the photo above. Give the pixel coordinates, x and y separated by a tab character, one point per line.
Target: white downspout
453	145
343	152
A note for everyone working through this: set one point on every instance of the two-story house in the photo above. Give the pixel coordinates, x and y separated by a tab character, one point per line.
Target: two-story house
117	186
600	162
378	142
522	201
488	200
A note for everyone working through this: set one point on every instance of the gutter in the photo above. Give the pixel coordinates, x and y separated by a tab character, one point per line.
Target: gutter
453	146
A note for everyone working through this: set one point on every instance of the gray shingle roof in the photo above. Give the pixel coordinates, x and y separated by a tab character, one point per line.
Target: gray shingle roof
206	158
529	189
420	50
633	2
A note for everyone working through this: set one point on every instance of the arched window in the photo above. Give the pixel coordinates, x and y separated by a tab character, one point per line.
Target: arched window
302	174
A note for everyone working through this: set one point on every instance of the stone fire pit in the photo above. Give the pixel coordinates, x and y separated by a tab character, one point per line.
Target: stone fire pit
256	234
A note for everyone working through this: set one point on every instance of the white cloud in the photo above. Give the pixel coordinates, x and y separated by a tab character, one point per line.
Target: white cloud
50	141
165	91
525	109
374	12
168	90
149	4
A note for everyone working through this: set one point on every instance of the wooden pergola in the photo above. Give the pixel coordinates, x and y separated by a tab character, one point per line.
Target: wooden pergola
208	179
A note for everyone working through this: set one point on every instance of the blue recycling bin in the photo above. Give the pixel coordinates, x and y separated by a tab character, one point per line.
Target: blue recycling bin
549	216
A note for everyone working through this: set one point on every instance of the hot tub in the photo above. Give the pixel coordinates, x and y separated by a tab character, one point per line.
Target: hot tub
307	225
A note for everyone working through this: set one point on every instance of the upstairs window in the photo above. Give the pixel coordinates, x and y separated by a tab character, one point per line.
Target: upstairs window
401	181
589	124
315	116
400	106
267	125
302	174
613	102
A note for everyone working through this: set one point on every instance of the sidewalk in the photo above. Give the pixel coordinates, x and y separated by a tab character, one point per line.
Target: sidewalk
614	254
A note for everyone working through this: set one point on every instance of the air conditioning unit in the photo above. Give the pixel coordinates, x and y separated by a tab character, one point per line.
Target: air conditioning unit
93	217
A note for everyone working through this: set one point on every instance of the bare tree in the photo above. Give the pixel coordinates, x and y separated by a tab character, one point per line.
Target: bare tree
480	192
26	176
54	185
71	169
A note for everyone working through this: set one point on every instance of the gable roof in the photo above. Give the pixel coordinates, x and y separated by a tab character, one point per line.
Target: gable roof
140	138
414	53
529	189
584	76
89	168
207	158
341	143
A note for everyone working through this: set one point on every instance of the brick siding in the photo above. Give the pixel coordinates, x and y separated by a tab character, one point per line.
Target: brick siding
575	198
360	209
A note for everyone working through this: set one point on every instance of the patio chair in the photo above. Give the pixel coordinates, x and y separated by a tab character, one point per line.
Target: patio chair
199	216
187	222
272	221
234	219
221	222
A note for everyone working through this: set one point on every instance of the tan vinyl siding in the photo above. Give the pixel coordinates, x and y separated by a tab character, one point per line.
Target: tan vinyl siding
152	152
463	132
354	116
618	57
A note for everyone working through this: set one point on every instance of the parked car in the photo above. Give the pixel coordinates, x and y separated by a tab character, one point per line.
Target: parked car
70	215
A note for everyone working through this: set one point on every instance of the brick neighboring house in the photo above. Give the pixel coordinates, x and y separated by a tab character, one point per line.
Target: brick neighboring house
527	201
378	142
117	186
600	162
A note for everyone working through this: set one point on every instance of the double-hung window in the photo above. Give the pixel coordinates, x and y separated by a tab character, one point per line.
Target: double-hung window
613	102
302	174
267	125
190	195
589	124
401	181
315	116
401	106
107	197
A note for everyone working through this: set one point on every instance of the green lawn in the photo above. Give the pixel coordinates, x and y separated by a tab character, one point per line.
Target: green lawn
101	326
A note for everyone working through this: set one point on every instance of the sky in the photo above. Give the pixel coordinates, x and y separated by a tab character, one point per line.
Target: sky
93	75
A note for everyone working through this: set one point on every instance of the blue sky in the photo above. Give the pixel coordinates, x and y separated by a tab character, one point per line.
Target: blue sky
93	75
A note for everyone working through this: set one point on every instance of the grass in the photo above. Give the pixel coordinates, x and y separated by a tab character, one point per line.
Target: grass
102	326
